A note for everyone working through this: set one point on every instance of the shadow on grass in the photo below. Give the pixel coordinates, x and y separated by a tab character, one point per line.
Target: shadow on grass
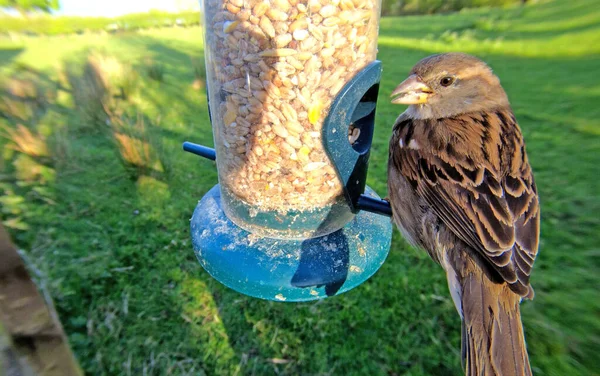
8	55
175	97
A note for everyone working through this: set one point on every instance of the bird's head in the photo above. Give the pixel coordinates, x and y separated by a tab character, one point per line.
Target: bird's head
449	84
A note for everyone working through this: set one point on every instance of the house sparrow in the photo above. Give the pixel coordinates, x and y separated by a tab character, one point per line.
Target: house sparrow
461	187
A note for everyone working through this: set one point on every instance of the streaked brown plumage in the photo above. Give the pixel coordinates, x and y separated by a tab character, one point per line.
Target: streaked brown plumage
461	187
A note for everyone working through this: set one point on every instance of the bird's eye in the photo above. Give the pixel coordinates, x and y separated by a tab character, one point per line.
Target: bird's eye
447	81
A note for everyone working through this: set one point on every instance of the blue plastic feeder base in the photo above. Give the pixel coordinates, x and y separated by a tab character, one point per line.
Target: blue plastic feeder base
284	269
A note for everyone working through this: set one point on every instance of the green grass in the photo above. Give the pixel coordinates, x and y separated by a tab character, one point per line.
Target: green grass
112	239
46	24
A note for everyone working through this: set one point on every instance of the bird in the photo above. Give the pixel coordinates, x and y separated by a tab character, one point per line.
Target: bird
461	187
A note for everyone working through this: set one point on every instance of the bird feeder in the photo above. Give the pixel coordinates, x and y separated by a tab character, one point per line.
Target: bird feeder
292	90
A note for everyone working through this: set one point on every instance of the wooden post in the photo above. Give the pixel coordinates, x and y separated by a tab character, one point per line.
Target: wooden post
32	339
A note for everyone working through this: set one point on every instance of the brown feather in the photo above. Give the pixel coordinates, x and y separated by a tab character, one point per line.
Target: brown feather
492	325
484	209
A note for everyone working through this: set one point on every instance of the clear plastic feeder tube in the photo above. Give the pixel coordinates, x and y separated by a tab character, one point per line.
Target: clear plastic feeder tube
274	68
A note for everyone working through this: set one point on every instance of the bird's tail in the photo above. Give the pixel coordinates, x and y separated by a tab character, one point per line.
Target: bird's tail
493	342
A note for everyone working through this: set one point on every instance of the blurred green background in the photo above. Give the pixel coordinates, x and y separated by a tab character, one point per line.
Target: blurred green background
96	190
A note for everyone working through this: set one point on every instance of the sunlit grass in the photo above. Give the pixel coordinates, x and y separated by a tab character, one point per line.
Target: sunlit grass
136	152
23	140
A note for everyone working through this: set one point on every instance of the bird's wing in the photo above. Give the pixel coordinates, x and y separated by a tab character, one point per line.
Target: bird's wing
496	213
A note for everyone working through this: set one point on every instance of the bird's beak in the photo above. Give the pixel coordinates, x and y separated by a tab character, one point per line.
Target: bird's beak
411	91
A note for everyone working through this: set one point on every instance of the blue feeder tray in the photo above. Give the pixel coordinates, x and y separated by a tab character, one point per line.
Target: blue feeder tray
288	270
